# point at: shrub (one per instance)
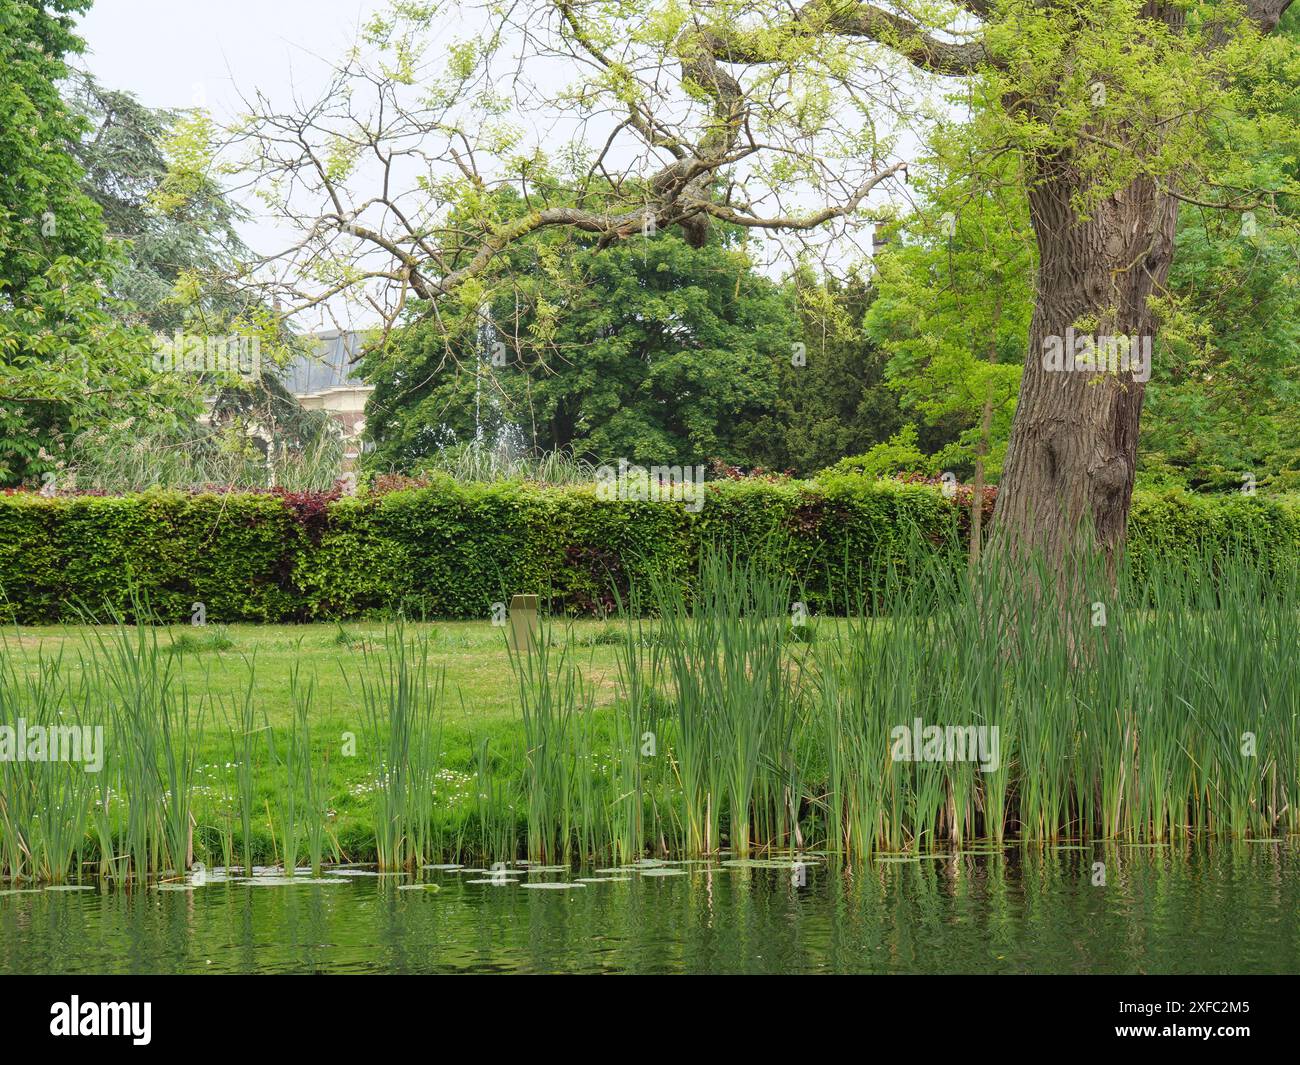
(233, 553)
(452, 549)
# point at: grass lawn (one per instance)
(216, 665)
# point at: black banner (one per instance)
(1193, 1014)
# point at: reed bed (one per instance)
(1153, 708)
(123, 465)
(1145, 708)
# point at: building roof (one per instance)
(329, 366)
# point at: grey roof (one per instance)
(328, 367)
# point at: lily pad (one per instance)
(289, 881)
(554, 885)
(367, 872)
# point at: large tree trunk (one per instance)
(1068, 478)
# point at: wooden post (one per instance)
(523, 622)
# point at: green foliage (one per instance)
(453, 550)
(123, 457)
(832, 400)
(955, 292)
(900, 454)
(651, 350)
(1224, 400)
(955, 289)
(1174, 524)
(474, 462)
(61, 556)
(65, 359)
(154, 174)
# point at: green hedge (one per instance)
(65, 556)
(453, 550)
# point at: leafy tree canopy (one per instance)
(65, 358)
(650, 349)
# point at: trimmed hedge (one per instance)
(64, 556)
(453, 550)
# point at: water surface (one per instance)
(1225, 909)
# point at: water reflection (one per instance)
(1222, 909)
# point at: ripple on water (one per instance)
(1174, 909)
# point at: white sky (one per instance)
(168, 52)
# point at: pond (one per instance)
(1162, 909)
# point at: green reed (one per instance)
(291, 760)
(401, 695)
(302, 808)
(153, 738)
(1157, 705)
(494, 807)
(636, 759)
(243, 727)
(44, 804)
(725, 650)
(312, 779)
(553, 703)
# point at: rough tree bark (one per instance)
(1067, 482)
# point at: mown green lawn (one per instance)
(216, 665)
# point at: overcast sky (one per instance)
(168, 52)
